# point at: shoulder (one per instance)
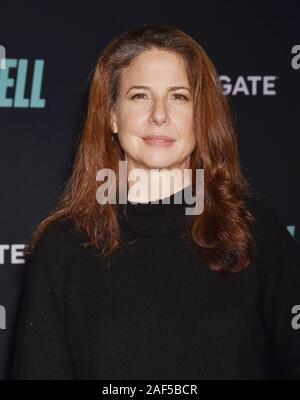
(275, 245)
(59, 232)
(267, 223)
(266, 219)
(55, 244)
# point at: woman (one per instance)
(142, 290)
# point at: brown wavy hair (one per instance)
(222, 230)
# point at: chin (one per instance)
(158, 164)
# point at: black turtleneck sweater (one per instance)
(158, 312)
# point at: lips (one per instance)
(158, 141)
(158, 138)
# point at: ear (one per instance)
(113, 119)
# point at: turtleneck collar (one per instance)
(159, 218)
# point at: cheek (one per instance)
(132, 119)
(185, 126)
(184, 116)
(130, 128)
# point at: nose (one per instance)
(159, 114)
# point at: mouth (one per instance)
(158, 140)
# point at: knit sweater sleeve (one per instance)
(41, 348)
(279, 271)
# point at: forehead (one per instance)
(155, 66)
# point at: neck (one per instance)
(151, 219)
(157, 184)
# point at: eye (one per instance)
(141, 96)
(181, 96)
(137, 96)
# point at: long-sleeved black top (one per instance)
(157, 311)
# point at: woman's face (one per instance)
(163, 106)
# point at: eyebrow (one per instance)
(170, 88)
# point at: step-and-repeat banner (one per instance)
(47, 53)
